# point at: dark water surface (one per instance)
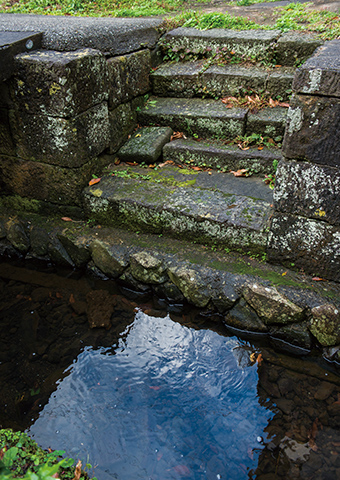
(165, 393)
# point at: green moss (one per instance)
(20, 204)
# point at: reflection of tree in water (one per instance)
(304, 435)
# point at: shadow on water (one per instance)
(164, 393)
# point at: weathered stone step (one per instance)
(211, 118)
(221, 157)
(209, 208)
(191, 79)
(265, 45)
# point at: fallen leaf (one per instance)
(71, 299)
(138, 135)
(117, 161)
(77, 472)
(284, 104)
(242, 148)
(239, 173)
(182, 470)
(176, 135)
(273, 103)
(318, 279)
(132, 164)
(260, 148)
(168, 162)
(209, 173)
(284, 273)
(259, 359)
(58, 295)
(196, 168)
(94, 181)
(67, 219)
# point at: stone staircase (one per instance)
(205, 202)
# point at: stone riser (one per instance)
(210, 118)
(192, 80)
(220, 157)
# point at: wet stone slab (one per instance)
(254, 43)
(220, 156)
(194, 116)
(181, 211)
(145, 145)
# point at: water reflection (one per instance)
(168, 401)
(158, 396)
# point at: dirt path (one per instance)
(262, 13)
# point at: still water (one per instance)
(165, 393)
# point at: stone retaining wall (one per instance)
(61, 110)
(305, 229)
(296, 319)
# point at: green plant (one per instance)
(20, 456)
(271, 177)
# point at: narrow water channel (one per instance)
(163, 393)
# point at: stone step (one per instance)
(211, 208)
(270, 46)
(211, 118)
(192, 79)
(221, 157)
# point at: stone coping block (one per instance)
(295, 47)
(194, 116)
(128, 77)
(309, 190)
(145, 145)
(309, 244)
(219, 156)
(313, 129)
(250, 43)
(112, 36)
(320, 75)
(12, 43)
(61, 84)
(49, 183)
(58, 141)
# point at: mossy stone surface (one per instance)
(325, 324)
(145, 145)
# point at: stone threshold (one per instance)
(251, 297)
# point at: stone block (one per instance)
(325, 324)
(12, 43)
(111, 260)
(320, 75)
(313, 129)
(311, 245)
(128, 77)
(62, 84)
(6, 141)
(59, 141)
(145, 145)
(49, 183)
(279, 82)
(293, 47)
(123, 120)
(148, 268)
(308, 190)
(268, 121)
(271, 306)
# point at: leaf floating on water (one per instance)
(93, 181)
(182, 470)
(77, 472)
(154, 387)
(240, 173)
